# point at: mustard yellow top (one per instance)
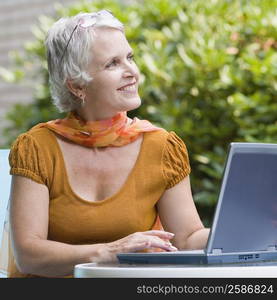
(162, 162)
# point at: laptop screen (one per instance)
(246, 214)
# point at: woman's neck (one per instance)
(91, 115)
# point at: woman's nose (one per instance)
(130, 69)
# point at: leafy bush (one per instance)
(208, 72)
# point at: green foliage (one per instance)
(208, 72)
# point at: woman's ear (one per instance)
(76, 89)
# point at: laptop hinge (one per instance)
(217, 251)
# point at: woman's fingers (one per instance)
(148, 239)
(138, 241)
(165, 245)
(160, 233)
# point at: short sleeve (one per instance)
(26, 160)
(175, 160)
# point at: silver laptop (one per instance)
(244, 226)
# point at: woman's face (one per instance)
(114, 87)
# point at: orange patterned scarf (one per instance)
(117, 131)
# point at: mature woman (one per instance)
(92, 185)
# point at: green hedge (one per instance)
(208, 72)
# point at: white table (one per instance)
(94, 270)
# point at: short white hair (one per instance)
(69, 60)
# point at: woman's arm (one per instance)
(178, 215)
(34, 254)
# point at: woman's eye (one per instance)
(112, 64)
(115, 62)
(131, 57)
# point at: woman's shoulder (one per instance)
(164, 138)
(28, 157)
(168, 149)
(38, 135)
(36, 142)
(161, 142)
(157, 136)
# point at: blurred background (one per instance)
(208, 72)
(18, 19)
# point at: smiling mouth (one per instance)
(129, 88)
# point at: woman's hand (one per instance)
(136, 242)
